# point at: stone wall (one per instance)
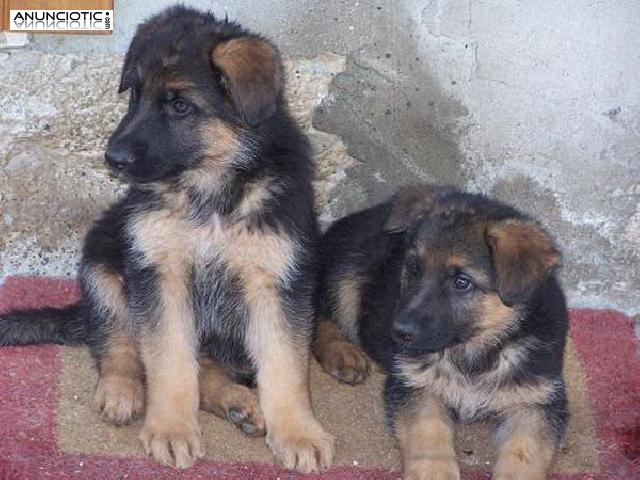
(536, 102)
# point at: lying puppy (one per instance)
(203, 274)
(454, 294)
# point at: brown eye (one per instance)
(462, 283)
(180, 107)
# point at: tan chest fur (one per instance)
(474, 397)
(172, 242)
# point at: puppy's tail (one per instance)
(64, 326)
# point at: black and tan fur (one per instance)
(455, 296)
(202, 276)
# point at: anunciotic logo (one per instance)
(60, 20)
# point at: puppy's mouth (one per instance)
(117, 174)
(430, 344)
(132, 173)
(422, 350)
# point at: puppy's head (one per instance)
(199, 90)
(469, 264)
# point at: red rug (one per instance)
(605, 342)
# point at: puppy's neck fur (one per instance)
(217, 186)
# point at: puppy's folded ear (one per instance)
(410, 203)
(253, 75)
(523, 256)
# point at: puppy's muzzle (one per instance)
(403, 330)
(120, 158)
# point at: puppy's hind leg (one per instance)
(221, 396)
(119, 393)
(339, 357)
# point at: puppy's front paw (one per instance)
(431, 469)
(345, 362)
(179, 445)
(120, 399)
(304, 447)
(523, 457)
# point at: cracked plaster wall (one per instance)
(536, 102)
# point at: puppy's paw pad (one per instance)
(179, 449)
(303, 453)
(432, 470)
(242, 408)
(119, 399)
(346, 362)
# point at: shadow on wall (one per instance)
(536, 128)
(392, 115)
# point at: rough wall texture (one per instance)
(536, 105)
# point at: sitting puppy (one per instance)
(203, 274)
(455, 296)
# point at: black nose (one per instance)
(118, 158)
(403, 331)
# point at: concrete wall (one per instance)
(535, 102)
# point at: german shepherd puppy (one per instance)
(454, 295)
(204, 273)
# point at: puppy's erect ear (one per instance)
(253, 75)
(126, 72)
(523, 255)
(409, 203)
(143, 32)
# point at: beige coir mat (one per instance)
(353, 414)
(48, 428)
